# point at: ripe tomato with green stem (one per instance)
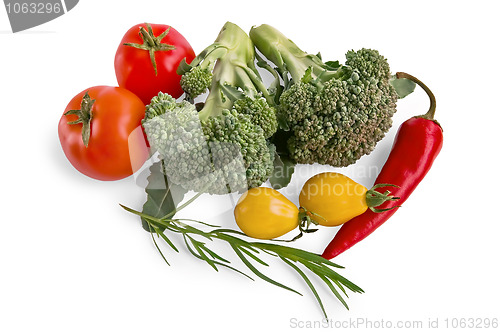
(147, 58)
(101, 134)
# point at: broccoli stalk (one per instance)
(228, 65)
(290, 59)
(334, 113)
(222, 148)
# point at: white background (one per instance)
(72, 260)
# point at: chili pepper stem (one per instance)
(432, 108)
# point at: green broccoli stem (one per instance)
(206, 59)
(235, 69)
(287, 56)
(215, 103)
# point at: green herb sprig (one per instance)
(248, 252)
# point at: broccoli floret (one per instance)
(335, 113)
(223, 147)
(196, 81)
(260, 113)
(197, 76)
(227, 69)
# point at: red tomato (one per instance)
(116, 144)
(144, 47)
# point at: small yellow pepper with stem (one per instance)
(327, 199)
(336, 198)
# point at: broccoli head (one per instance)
(223, 147)
(335, 113)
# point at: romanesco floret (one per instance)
(222, 148)
(335, 113)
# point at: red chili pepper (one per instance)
(416, 145)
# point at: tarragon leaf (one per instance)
(308, 282)
(258, 273)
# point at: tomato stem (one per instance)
(84, 117)
(152, 43)
(375, 198)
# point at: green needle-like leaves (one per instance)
(250, 253)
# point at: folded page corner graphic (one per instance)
(24, 15)
(70, 4)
